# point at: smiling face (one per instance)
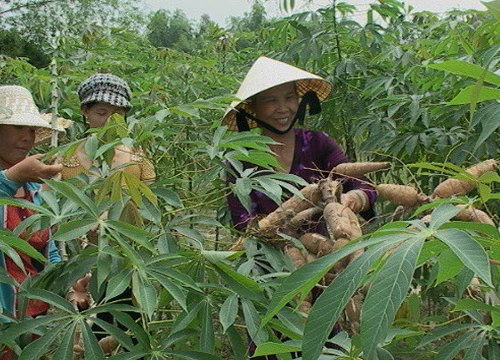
(15, 143)
(276, 106)
(98, 113)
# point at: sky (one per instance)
(221, 10)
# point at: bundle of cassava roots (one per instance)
(304, 218)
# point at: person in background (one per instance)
(102, 95)
(21, 127)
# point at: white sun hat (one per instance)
(17, 107)
(267, 73)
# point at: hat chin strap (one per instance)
(309, 99)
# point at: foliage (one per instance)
(415, 87)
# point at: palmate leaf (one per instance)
(118, 283)
(145, 294)
(51, 298)
(328, 307)
(464, 68)
(73, 230)
(176, 291)
(25, 204)
(207, 338)
(135, 233)
(386, 294)
(252, 320)
(191, 355)
(470, 93)
(75, 195)
(117, 333)
(270, 348)
(92, 349)
(468, 250)
(27, 326)
(471, 304)
(476, 349)
(9, 242)
(449, 351)
(237, 344)
(240, 284)
(304, 279)
(65, 346)
(228, 311)
(39, 347)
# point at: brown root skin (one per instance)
(353, 311)
(303, 217)
(108, 344)
(312, 242)
(451, 187)
(401, 195)
(473, 215)
(239, 245)
(331, 190)
(342, 263)
(358, 168)
(341, 221)
(291, 207)
(298, 258)
(305, 307)
(310, 258)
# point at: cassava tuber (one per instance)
(401, 195)
(358, 168)
(451, 187)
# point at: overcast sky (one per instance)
(221, 10)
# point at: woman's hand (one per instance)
(32, 169)
(356, 200)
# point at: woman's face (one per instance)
(277, 106)
(98, 114)
(15, 143)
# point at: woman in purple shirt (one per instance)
(274, 96)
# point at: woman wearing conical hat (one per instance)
(21, 127)
(274, 97)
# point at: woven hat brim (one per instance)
(108, 98)
(24, 119)
(267, 73)
(321, 87)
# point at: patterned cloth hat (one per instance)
(17, 107)
(106, 88)
(267, 73)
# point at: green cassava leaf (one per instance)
(207, 339)
(328, 307)
(468, 250)
(464, 68)
(145, 294)
(73, 230)
(304, 279)
(229, 311)
(386, 294)
(40, 346)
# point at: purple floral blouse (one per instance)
(315, 154)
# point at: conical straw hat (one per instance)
(267, 73)
(17, 107)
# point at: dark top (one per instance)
(315, 155)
